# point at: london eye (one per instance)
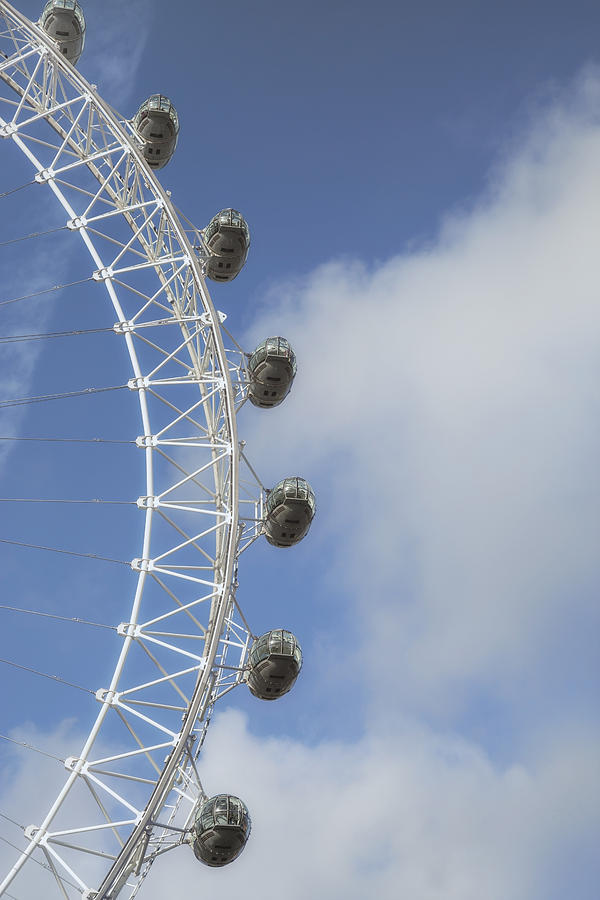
(133, 790)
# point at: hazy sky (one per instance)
(422, 186)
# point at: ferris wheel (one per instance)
(130, 795)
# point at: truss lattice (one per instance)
(185, 643)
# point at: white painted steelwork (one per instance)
(190, 640)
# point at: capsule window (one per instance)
(276, 640)
(220, 811)
(154, 135)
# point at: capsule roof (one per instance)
(71, 5)
(228, 218)
(275, 643)
(273, 347)
(223, 809)
(158, 102)
(295, 488)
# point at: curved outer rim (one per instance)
(119, 871)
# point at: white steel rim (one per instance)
(37, 72)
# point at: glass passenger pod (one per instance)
(272, 369)
(290, 508)
(220, 830)
(227, 238)
(156, 123)
(275, 661)
(64, 22)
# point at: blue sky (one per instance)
(421, 182)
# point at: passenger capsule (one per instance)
(221, 830)
(227, 238)
(63, 21)
(290, 509)
(275, 661)
(272, 369)
(157, 124)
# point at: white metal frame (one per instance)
(193, 645)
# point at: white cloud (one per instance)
(418, 814)
(29, 316)
(29, 784)
(116, 36)
(445, 406)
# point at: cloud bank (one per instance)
(446, 409)
(423, 815)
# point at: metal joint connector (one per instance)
(75, 764)
(148, 502)
(146, 440)
(102, 274)
(123, 327)
(103, 695)
(76, 223)
(44, 176)
(9, 129)
(137, 384)
(142, 565)
(206, 318)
